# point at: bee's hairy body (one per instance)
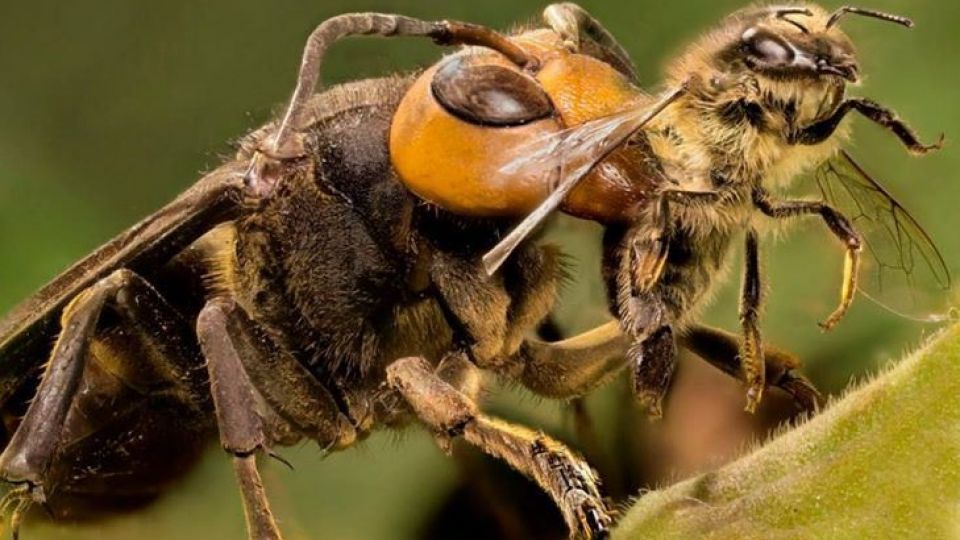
(730, 138)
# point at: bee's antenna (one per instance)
(889, 17)
(781, 12)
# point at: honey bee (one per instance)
(752, 105)
(366, 255)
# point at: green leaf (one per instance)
(882, 462)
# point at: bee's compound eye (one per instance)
(773, 51)
(767, 48)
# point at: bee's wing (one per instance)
(28, 330)
(569, 155)
(903, 270)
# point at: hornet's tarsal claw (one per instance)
(17, 501)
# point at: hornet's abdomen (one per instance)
(470, 115)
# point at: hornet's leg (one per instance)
(28, 459)
(532, 278)
(244, 364)
(841, 228)
(722, 349)
(576, 366)
(490, 317)
(478, 309)
(588, 36)
(566, 478)
(241, 429)
(461, 374)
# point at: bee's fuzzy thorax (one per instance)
(738, 120)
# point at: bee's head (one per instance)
(795, 43)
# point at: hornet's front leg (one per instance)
(575, 366)
(724, 351)
(841, 227)
(568, 480)
(886, 118)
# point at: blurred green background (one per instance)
(108, 109)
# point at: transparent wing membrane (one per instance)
(575, 150)
(568, 155)
(903, 271)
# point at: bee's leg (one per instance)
(244, 364)
(821, 131)
(841, 227)
(751, 349)
(647, 251)
(635, 260)
(654, 361)
(722, 349)
(564, 476)
(29, 457)
(386, 25)
(588, 36)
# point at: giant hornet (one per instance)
(366, 255)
